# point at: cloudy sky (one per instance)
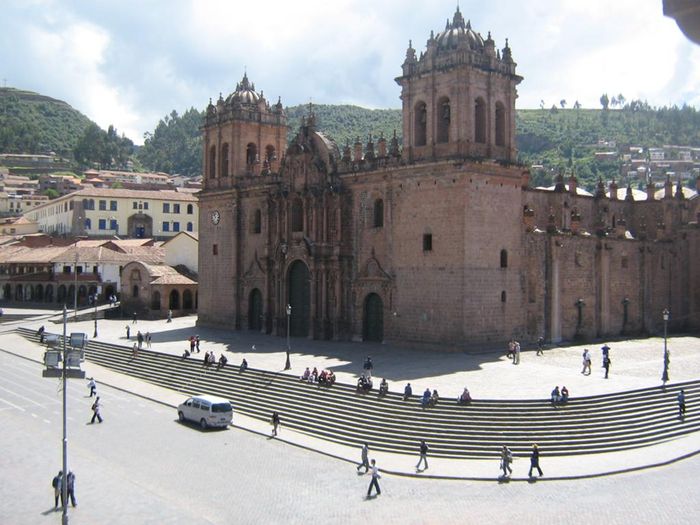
(130, 62)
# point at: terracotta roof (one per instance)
(164, 195)
(25, 254)
(164, 274)
(190, 234)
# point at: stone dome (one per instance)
(245, 92)
(457, 32)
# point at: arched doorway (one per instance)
(61, 295)
(39, 293)
(187, 300)
(255, 310)
(155, 300)
(299, 298)
(19, 293)
(174, 303)
(7, 292)
(373, 319)
(49, 293)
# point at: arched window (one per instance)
(190, 209)
(187, 300)
(378, 213)
(155, 301)
(480, 121)
(189, 227)
(270, 154)
(421, 124)
(297, 215)
(257, 221)
(212, 162)
(500, 125)
(251, 154)
(224, 160)
(135, 290)
(174, 303)
(443, 120)
(504, 258)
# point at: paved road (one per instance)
(142, 466)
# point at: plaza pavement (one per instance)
(488, 374)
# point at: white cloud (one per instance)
(129, 63)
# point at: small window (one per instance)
(189, 227)
(215, 249)
(135, 205)
(102, 224)
(378, 213)
(503, 296)
(88, 224)
(166, 226)
(66, 269)
(145, 205)
(135, 290)
(504, 258)
(190, 209)
(176, 226)
(428, 242)
(113, 205)
(166, 207)
(103, 205)
(257, 221)
(176, 208)
(113, 225)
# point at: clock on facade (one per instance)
(215, 217)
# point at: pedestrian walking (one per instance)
(368, 366)
(196, 342)
(96, 407)
(170, 316)
(506, 460)
(134, 318)
(148, 340)
(510, 349)
(540, 346)
(516, 353)
(139, 339)
(135, 351)
(192, 343)
(70, 479)
(535, 461)
(57, 484)
(606, 351)
(423, 455)
(681, 404)
(364, 459)
(606, 365)
(275, 421)
(92, 386)
(128, 331)
(407, 391)
(375, 480)
(586, 370)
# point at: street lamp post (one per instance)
(75, 284)
(64, 484)
(664, 376)
(95, 301)
(287, 364)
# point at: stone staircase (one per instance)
(585, 425)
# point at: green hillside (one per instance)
(34, 123)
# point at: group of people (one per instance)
(559, 396)
(429, 399)
(326, 377)
(57, 484)
(507, 460)
(513, 351)
(364, 383)
(588, 360)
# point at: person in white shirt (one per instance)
(375, 480)
(92, 386)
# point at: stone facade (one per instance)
(441, 242)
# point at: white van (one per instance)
(208, 411)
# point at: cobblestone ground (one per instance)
(142, 466)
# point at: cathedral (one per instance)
(439, 239)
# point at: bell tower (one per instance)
(458, 97)
(243, 135)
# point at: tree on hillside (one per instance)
(604, 101)
(621, 100)
(175, 146)
(104, 148)
(577, 105)
(562, 103)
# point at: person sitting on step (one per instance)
(322, 377)
(465, 398)
(186, 353)
(364, 384)
(244, 366)
(383, 387)
(434, 398)
(425, 400)
(222, 361)
(330, 377)
(314, 376)
(564, 395)
(407, 391)
(305, 375)
(555, 395)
